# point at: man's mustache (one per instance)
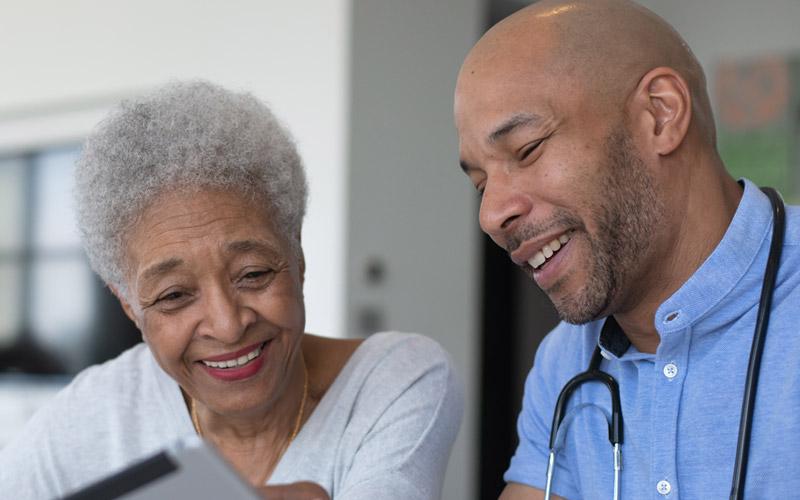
(561, 219)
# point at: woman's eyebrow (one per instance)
(160, 268)
(247, 246)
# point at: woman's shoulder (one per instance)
(102, 385)
(406, 340)
(125, 371)
(389, 364)
(110, 394)
(394, 407)
(404, 347)
(385, 354)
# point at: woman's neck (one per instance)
(255, 441)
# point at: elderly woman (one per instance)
(190, 205)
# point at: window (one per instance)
(55, 315)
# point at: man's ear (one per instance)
(125, 305)
(665, 109)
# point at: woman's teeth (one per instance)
(548, 251)
(236, 363)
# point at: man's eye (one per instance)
(530, 148)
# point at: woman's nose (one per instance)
(226, 317)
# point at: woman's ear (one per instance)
(301, 257)
(302, 265)
(125, 305)
(662, 109)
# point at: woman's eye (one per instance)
(171, 297)
(256, 277)
(172, 301)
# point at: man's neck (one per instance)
(703, 215)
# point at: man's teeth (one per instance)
(548, 251)
(235, 363)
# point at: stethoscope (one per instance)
(594, 374)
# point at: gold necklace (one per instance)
(298, 421)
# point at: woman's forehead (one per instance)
(180, 223)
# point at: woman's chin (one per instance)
(237, 390)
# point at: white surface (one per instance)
(69, 61)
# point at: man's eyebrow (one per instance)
(161, 268)
(512, 123)
(505, 128)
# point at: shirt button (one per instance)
(670, 370)
(664, 487)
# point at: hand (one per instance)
(303, 490)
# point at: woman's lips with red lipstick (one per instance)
(237, 365)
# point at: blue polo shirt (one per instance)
(681, 405)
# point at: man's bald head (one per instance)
(600, 47)
(586, 128)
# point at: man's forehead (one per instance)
(506, 84)
(493, 109)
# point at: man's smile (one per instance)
(536, 252)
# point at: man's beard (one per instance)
(628, 212)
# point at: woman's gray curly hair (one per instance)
(188, 135)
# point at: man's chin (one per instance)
(579, 310)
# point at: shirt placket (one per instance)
(670, 364)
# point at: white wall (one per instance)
(732, 29)
(410, 207)
(64, 63)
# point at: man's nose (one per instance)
(501, 205)
(226, 317)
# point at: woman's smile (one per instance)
(238, 365)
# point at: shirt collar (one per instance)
(613, 341)
(724, 269)
(614, 344)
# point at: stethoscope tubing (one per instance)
(757, 349)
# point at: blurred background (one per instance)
(391, 237)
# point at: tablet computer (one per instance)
(190, 469)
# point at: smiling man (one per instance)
(587, 129)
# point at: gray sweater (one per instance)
(383, 430)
